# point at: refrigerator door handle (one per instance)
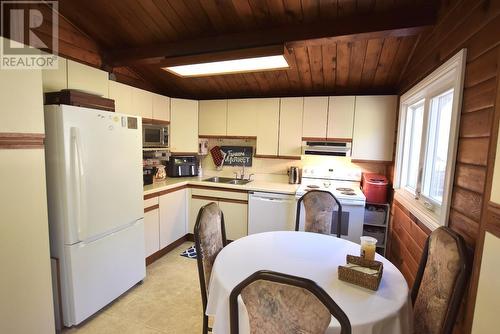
(79, 184)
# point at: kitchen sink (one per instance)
(218, 179)
(227, 180)
(238, 181)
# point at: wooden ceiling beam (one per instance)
(398, 22)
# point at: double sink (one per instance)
(227, 180)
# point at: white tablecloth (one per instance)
(316, 257)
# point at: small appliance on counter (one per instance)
(160, 174)
(153, 165)
(179, 166)
(294, 175)
(148, 173)
(375, 188)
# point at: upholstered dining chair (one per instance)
(320, 207)
(280, 303)
(440, 282)
(209, 238)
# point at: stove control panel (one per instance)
(344, 174)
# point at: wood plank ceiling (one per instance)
(373, 64)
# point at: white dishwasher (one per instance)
(271, 212)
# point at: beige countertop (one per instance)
(255, 185)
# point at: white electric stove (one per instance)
(344, 184)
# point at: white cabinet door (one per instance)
(184, 126)
(161, 107)
(212, 118)
(122, 94)
(495, 189)
(173, 215)
(87, 78)
(315, 117)
(142, 103)
(152, 231)
(235, 219)
(488, 290)
(340, 117)
(268, 114)
(290, 134)
(194, 207)
(57, 79)
(22, 101)
(374, 126)
(242, 117)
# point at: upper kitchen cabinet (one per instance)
(212, 118)
(290, 127)
(142, 103)
(122, 94)
(268, 118)
(57, 79)
(87, 78)
(183, 126)
(340, 117)
(161, 107)
(242, 117)
(315, 117)
(374, 126)
(22, 101)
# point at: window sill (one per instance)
(429, 219)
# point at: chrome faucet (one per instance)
(241, 174)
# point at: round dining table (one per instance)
(317, 257)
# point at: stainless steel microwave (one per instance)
(155, 135)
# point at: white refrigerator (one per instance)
(95, 201)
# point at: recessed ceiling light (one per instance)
(230, 66)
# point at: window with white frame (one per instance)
(427, 142)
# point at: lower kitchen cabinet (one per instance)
(235, 219)
(152, 231)
(234, 206)
(194, 207)
(173, 217)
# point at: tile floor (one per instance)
(168, 302)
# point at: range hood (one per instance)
(328, 148)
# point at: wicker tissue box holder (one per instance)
(359, 271)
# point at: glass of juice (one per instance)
(368, 246)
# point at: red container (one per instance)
(375, 188)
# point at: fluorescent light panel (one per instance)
(230, 66)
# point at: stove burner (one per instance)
(350, 190)
(350, 193)
(313, 186)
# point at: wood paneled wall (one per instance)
(76, 45)
(406, 241)
(473, 25)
